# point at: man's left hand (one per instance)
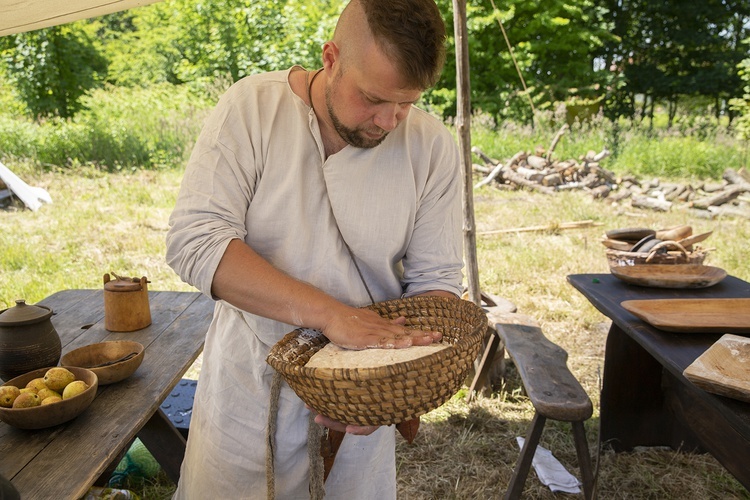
(358, 430)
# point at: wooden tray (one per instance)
(724, 368)
(693, 315)
(670, 275)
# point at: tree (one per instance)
(742, 104)
(554, 43)
(670, 49)
(140, 45)
(53, 67)
(241, 37)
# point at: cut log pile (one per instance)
(542, 173)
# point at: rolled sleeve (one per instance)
(209, 213)
(433, 258)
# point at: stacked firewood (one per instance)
(542, 173)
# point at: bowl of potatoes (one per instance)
(47, 397)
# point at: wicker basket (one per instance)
(389, 394)
(674, 254)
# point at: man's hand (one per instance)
(354, 328)
(365, 329)
(249, 282)
(358, 430)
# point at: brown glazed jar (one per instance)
(28, 340)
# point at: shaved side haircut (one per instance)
(410, 32)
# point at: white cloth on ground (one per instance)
(551, 472)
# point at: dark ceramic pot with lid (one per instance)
(28, 340)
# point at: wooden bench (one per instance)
(490, 365)
(553, 390)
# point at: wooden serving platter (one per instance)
(670, 275)
(724, 368)
(693, 315)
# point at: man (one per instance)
(307, 196)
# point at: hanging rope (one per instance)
(515, 63)
(314, 436)
(271, 435)
(317, 481)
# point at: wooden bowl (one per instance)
(49, 415)
(93, 356)
(670, 275)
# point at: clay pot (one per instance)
(28, 340)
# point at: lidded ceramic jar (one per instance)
(28, 340)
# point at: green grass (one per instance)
(110, 214)
(683, 152)
(98, 223)
(120, 128)
(116, 222)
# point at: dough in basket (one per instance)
(333, 356)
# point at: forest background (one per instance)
(129, 90)
(104, 112)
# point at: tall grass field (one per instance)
(114, 173)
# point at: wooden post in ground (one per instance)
(463, 131)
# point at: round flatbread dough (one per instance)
(333, 356)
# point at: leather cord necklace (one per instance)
(330, 439)
(309, 83)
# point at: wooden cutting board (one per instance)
(724, 368)
(693, 315)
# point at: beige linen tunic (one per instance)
(258, 173)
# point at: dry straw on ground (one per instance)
(117, 222)
(469, 451)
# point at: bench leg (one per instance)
(515, 488)
(482, 369)
(584, 460)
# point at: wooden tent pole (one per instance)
(463, 130)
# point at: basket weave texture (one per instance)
(394, 393)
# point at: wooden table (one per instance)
(645, 399)
(66, 460)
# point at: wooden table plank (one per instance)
(84, 307)
(96, 438)
(658, 405)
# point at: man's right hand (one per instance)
(249, 282)
(364, 329)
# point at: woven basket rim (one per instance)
(375, 373)
(393, 393)
(369, 373)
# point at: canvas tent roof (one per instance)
(17, 16)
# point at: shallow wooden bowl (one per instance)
(670, 275)
(49, 415)
(697, 315)
(107, 353)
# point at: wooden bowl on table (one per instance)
(48, 415)
(670, 275)
(112, 361)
